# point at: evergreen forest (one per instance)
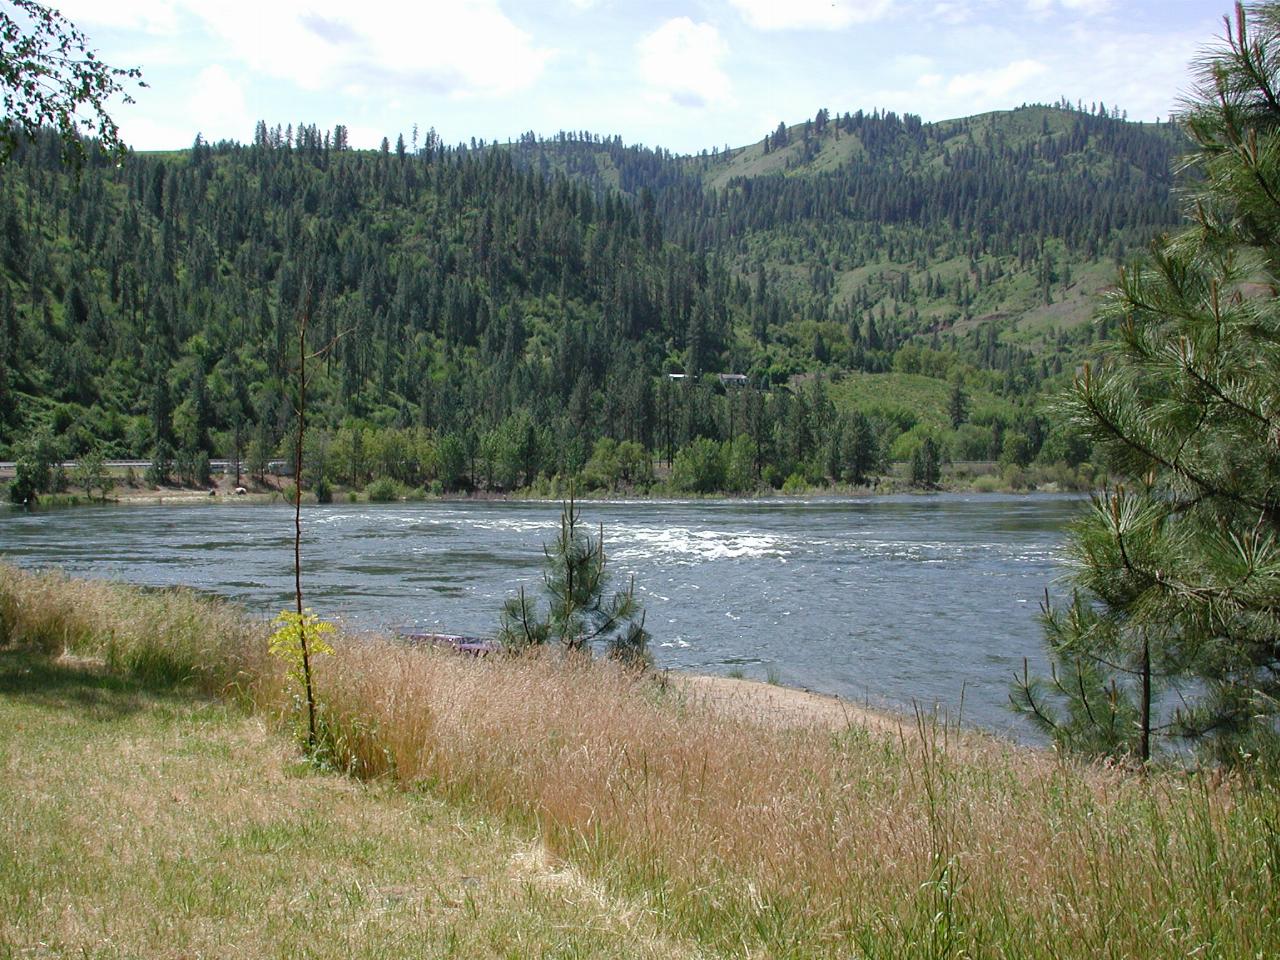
(855, 290)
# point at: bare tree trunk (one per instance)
(297, 520)
(1144, 748)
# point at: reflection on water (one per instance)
(894, 600)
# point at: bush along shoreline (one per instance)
(737, 833)
(958, 478)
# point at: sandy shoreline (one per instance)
(760, 702)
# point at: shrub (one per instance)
(383, 490)
(795, 484)
(698, 467)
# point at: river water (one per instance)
(893, 601)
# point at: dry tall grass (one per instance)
(173, 636)
(810, 840)
(786, 841)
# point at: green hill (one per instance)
(1036, 205)
(517, 303)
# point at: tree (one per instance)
(958, 403)
(1177, 582)
(781, 136)
(261, 450)
(49, 76)
(451, 462)
(293, 634)
(738, 469)
(192, 467)
(698, 467)
(91, 473)
(604, 469)
(925, 467)
(161, 465)
(857, 448)
(579, 612)
(33, 472)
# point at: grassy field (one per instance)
(139, 822)
(532, 807)
(925, 397)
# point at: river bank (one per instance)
(653, 821)
(222, 489)
(774, 705)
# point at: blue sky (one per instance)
(682, 74)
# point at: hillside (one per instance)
(515, 305)
(1024, 205)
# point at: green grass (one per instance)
(751, 160)
(926, 397)
(146, 821)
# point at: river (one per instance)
(893, 601)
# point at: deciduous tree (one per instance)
(49, 76)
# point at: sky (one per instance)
(686, 75)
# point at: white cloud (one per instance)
(937, 96)
(1107, 72)
(218, 104)
(681, 61)
(467, 48)
(912, 64)
(999, 83)
(148, 133)
(151, 16)
(810, 14)
(951, 11)
(364, 137)
(1087, 7)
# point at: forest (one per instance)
(857, 289)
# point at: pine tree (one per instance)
(857, 447)
(580, 612)
(1177, 583)
(926, 468)
(958, 403)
